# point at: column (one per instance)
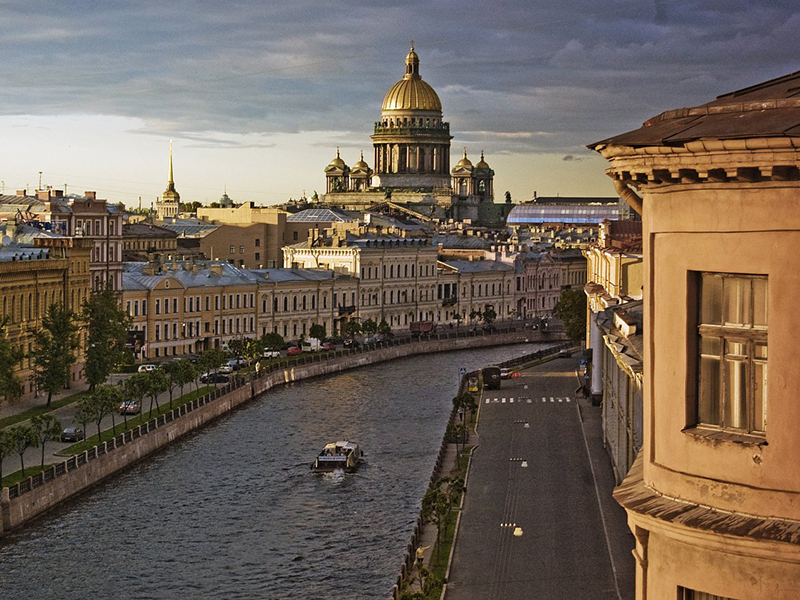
(596, 341)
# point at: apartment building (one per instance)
(713, 500)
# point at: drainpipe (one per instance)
(632, 198)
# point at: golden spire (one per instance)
(465, 152)
(171, 183)
(412, 64)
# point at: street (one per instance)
(532, 524)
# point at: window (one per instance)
(732, 352)
(688, 594)
(258, 242)
(232, 249)
(241, 249)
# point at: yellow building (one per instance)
(714, 497)
(35, 275)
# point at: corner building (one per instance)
(713, 499)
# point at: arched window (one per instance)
(285, 303)
(304, 301)
(294, 302)
(275, 304)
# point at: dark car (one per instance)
(351, 344)
(72, 434)
(214, 378)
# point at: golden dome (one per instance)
(336, 164)
(361, 164)
(482, 164)
(411, 93)
(464, 163)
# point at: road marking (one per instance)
(511, 401)
(551, 399)
(529, 400)
(524, 464)
(504, 401)
(568, 400)
(508, 524)
(487, 401)
(560, 399)
(526, 386)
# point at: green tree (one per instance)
(84, 412)
(237, 347)
(47, 428)
(571, 309)
(53, 351)
(272, 341)
(136, 387)
(436, 509)
(107, 325)
(369, 327)
(23, 437)
(317, 331)
(156, 384)
(475, 314)
(170, 371)
(489, 315)
(383, 328)
(211, 360)
(351, 329)
(7, 447)
(105, 400)
(10, 386)
(186, 373)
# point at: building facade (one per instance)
(32, 277)
(714, 498)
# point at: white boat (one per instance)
(344, 456)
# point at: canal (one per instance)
(234, 512)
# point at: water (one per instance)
(233, 511)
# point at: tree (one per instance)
(170, 371)
(369, 327)
(23, 437)
(436, 509)
(272, 341)
(186, 373)
(104, 401)
(47, 428)
(83, 412)
(508, 197)
(475, 314)
(10, 386)
(384, 329)
(107, 325)
(211, 360)
(6, 448)
(571, 309)
(489, 315)
(351, 329)
(156, 384)
(237, 347)
(135, 387)
(317, 331)
(53, 351)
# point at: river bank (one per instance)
(35, 496)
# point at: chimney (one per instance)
(22, 193)
(43, 195)
(58, 193)
(90, 195)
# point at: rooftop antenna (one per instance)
(40, 180)
(65, 189)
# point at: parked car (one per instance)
(271, 354)
(294, 351)
(146, 368)
(351, 344)
(72, 434)
(328, 346)
(214, 378)
(130, 407)
(565, 353)
(231, 366)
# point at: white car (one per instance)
(146, 368)
(271, 354)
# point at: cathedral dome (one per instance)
(336, 164)
(482, 164)
(464, 164)
(411, 92)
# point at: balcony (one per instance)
(347, 310)
(450, 301)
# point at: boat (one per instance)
(344, 456)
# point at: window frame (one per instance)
(751, 336)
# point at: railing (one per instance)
(78, 460)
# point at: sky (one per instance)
(257, 95)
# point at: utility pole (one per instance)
(40, 180)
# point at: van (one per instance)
(491, 377)
(146, 368)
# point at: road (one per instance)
(532, 524)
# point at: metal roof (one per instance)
(314, 215)
(478, 266)
(550, 213)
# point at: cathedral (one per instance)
(411, 162)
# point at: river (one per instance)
(233, 511)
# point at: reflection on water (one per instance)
(234, 511)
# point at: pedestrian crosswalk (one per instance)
(518, 400)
